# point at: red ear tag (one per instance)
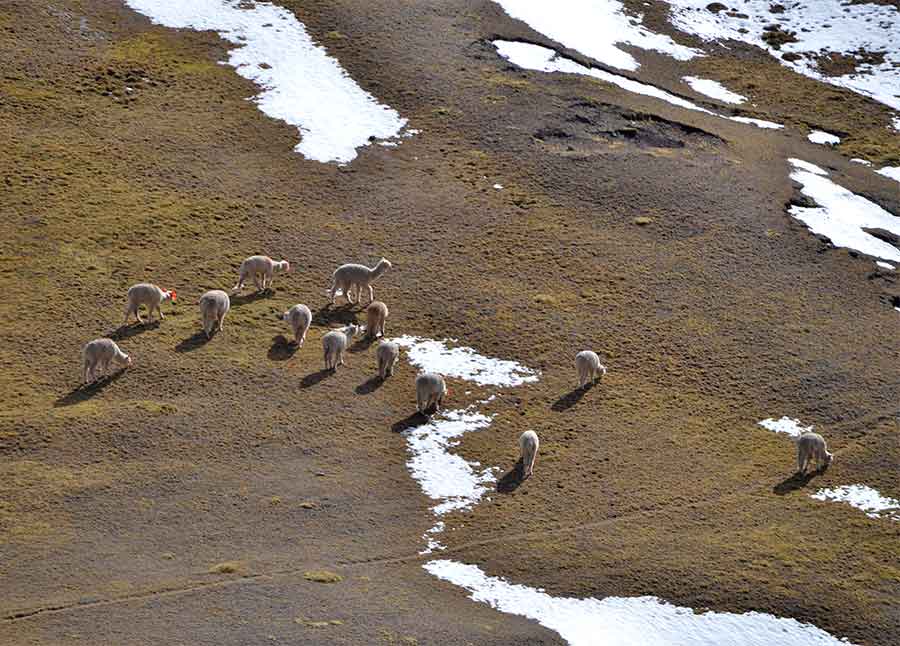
(174, 295)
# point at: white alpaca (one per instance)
(376, 314)
(430, 391)
(96, 357)
(388, 354)
(589, 368)
(346, 277)
(214, 305)
(146, 294)
(334, 344)
(811, 446)
(299, 318)
(262, 270)
(528, 445)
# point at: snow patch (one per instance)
(624, 621)
(542, 59)
(595, 28)
(301, 84)
(864, 162)
(445, 476)
(714, 89)
(431, 355)
(864, 498)
(892, 172)
(842, 215)
(824, 138)
(820, 27)
(884, 265)
(785, 425)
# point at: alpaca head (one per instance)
(384, 263)
(351, 330)
(125, 360)
(169, 295)
(283, 265)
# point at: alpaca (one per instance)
(528, 445)
(96, 357)
(335, 343)
(214, 305)
(298, 317)
(150, 295)
(346, 277)
(811, 446)
(589, 368)
(376, 314)
(388, 354)
(430, 392)
(262, 270)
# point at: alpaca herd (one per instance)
(100, 354)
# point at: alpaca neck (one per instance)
(379, 269)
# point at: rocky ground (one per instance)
(198, 497)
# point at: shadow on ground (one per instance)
(512, 478)
(282, 348)
(129, 330)
(570, 398)
(193, 342)
(369, 386)
(85, 392)
(796, 481)
(313, 378)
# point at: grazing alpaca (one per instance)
(97, 355)
(528, 445)
(262, 270)
(811, 446)
(430, 392)
(146, 294)
(388, 354)
(214, 305)
(298, 317)
(376, 314)
(346, 277)
(335, 343)
(589, 368)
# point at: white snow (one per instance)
(884, 265)
(626, 621)
(864, 162)
(824, 138)
(895, 121)
(785, 425)
(431, 355)
(542, 59)
(821, 26)
(713, 89)
(445, 476)
(842, 215)
(301, 84)
(498, 186)
(595, 28)
(759, 123)
(864, 498)
(893, 172)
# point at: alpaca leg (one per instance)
(159, 311)
(371, 294)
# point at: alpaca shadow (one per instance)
(369, 386)
(794, 482)
(240, 299)
(341, 314)
(129, 330)
(512, 478)
(86, 391)
(571, 398)
(194, 342)
(282, 349)
(313, 378)
(363, 344)
(416, 419)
